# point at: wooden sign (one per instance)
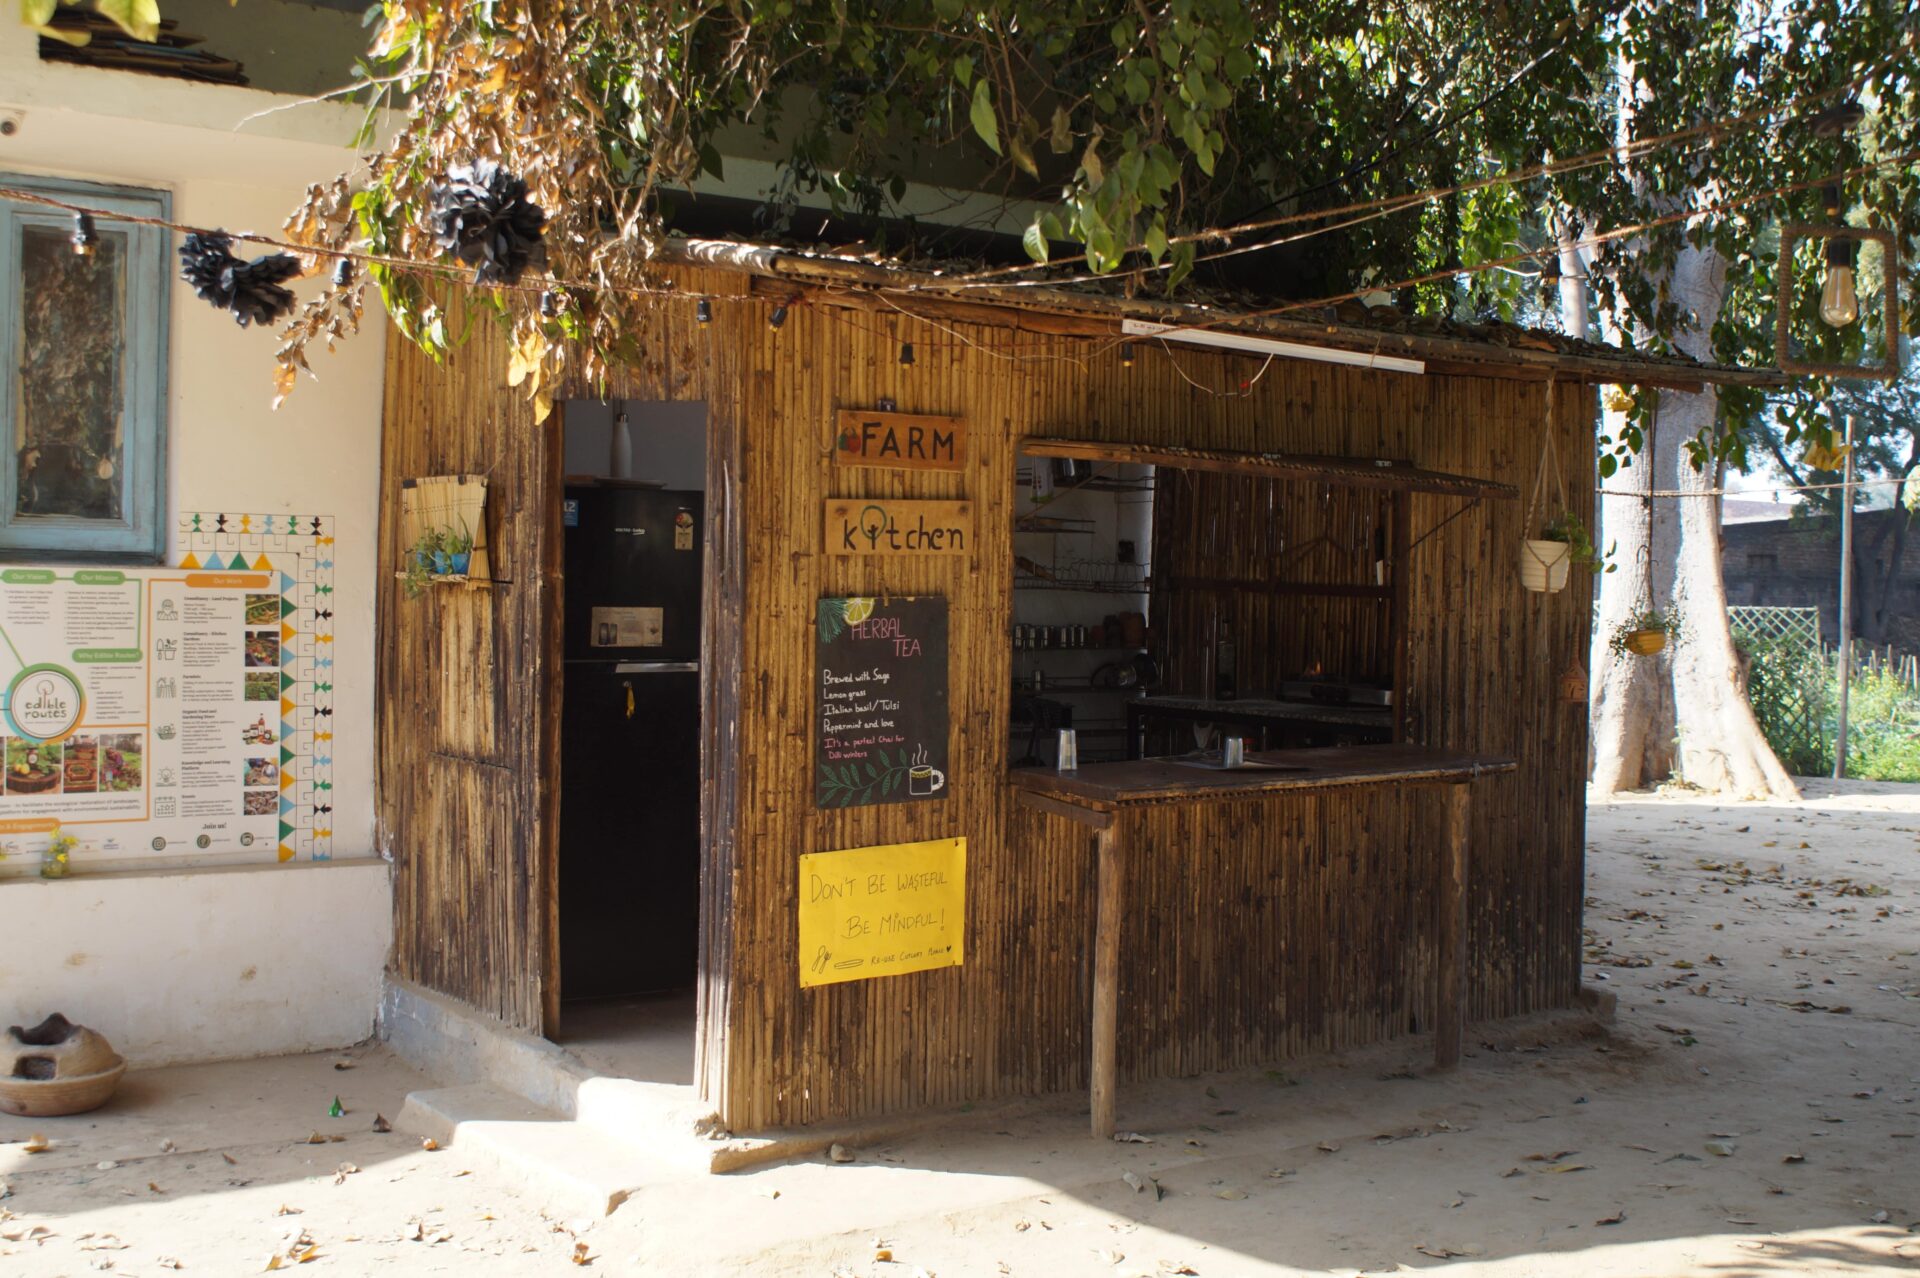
(909, 441)
(882, 911)
(899, 529)
(881, 707)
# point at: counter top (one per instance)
(1103, 787)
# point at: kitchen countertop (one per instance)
(1363, 716)
(1103, 787)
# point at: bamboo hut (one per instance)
(1111, 930)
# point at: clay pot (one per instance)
(56, 1068)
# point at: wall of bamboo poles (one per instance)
(1259, 931)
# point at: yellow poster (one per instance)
(882, 911)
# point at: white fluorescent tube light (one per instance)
(1270, 346)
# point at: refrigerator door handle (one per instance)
(657, 667)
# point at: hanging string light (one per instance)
(1126, 356)
(703, 312)
(906, 352)
(343, 273)
(779, 316)
(551, 303)
(1839, 299)
(85, 238)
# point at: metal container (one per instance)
(1233, 752)
(1068, 757)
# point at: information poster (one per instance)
(173, 712)
(881, 711)
(882, 911)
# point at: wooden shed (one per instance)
(1342, 522)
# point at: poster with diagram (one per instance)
(177, 712)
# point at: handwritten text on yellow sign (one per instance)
(882, 911)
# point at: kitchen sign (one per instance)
(881, 708)
(882, 911)
(906, 441)
(898, 529)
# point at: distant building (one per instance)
(1795, 562)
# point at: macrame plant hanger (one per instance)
(1536, 508)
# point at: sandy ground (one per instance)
(1755, 1110)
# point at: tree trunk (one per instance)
(1683, 712)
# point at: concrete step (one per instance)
(567, 1167)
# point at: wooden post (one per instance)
(1106, 981)
(1451, 947)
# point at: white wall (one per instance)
(220, 961)
(201, 964)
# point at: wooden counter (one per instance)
(1098, 794)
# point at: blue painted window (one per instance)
(83, 396)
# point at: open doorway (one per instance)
(633, 641)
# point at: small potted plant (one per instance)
(1646, 633)
(1546, 560)
(420, 559)
(459, 547)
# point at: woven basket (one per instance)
(1544, 565)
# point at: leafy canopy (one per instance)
(1137, 127)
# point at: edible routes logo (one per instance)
(45, 703)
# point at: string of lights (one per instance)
(86, 221)
(1665, 493)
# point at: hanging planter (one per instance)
(1548, 554)
(1646, 633)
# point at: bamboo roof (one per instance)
(1448, 346)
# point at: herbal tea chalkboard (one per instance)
(882, 702)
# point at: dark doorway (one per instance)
(634, 525)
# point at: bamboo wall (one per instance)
(1257, 931)
(1254, 554)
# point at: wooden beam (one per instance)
(1354, 472)
(1093, 818)
(1450, 957)
(1104, 1070)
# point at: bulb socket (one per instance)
(86, 237)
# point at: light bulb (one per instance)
(1839, 303)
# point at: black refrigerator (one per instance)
(630, 741)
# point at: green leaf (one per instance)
(1156, 240)
(1034, 241)
(138, 18)
(37, 13)
(985, 122)
(963, 70)
(1060, 137)
(1182, 258)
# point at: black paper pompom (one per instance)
(251, 290)
(482, 216)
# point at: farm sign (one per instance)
(906, 441)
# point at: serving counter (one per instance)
(1097, 796)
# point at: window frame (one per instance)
(139, 536)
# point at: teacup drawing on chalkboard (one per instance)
(923, 778)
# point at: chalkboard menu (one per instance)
(882, 702)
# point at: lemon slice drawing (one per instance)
(858, 610)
